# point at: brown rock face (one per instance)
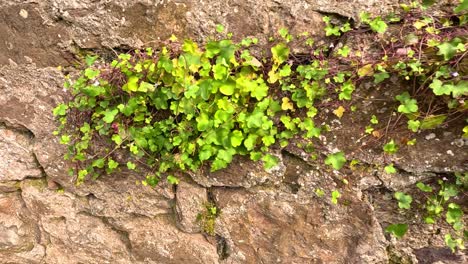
(272, 227)
(191, 201)
(20, 162)
(26, 37)
(276, 216)
(18, 233)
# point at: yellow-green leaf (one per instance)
(366, 70)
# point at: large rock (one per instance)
(70, 235)
(27, 97)
(157, 240)
(191, 200)
(264, 225)
(17, 160)
(48, 33)
(73, 230)
(19, 234)
(26, 37)
(272, 227)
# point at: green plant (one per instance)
(376, 24)
(180, 109)
(334, 196)
(391, 147)
(398, 230)
(207, 218)
(440, 201)
(390, 169)
(336, 160)
(437, 201)
(404, 200)
(172, 180)
(463, 6)
(333, 30)
(408, 105)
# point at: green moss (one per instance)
(39, 184)
(207, 218)
(397, 257)
(10, 186)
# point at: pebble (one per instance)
(12, 63)
(450, 152)
(430, 136)
(28, 59)
(458, 142)
(23, 13)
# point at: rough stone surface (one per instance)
(271, 227)
(191, 201)
(54, 30)
(17, 232)
(157, 240)
(17, 160)
(277, 216)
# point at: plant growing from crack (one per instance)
(437, 200)
(207, 218)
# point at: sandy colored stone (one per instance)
(191, 200)
(17, 160)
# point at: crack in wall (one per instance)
(30, 218)
(20, 128)
(222, 246)
(124, 235)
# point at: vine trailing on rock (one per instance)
(189, 107)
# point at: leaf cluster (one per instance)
(181, 110)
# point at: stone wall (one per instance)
(266, 217)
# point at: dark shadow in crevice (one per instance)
(222, 247)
